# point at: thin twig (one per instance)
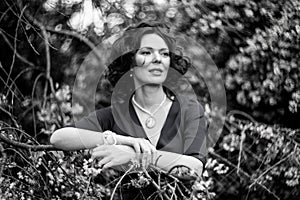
(9, 86)
(242, 139)
(5, 12)
(12, 48)
(234, 112)
(30, 164)
(27, 23)
(162, 192)
(120, 180)
(8, 127)
(270, 168)
(244, 173)
(87, 188)
(3, 159)
(48, 63)
(2, 80)
(79, 37)
(11, 117)
(33, 20)
(32, 97)
(27, 146)
(29, 42)
(15, 44)
(8, 35)
(47, 51)
(24, 71)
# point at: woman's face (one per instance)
(153, 61)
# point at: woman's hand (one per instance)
(140, 145)
(112, 155)
(115, 155)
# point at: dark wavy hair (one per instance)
(122, 58)
(123, 51)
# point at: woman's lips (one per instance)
(156, 71)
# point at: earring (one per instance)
(131, 71)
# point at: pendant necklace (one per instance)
(150, 121)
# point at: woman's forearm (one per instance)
(71, 139)
(167, 160)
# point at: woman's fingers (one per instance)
(146, 146)
(100, 151)
(137, 147)
(146, 160)
(140, 145)
(108, 165)
(99, 154)
(100, 148)
(103, 161)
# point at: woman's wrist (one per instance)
(109, 137)
(124, 140)
(121, 140)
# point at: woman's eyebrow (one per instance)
(153, 48)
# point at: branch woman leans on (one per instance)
(166, 128)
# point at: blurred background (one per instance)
(50, 47)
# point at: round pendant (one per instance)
(150, 122)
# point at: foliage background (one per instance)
(255, 45)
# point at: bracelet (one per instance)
(156, 161)
(107, 135)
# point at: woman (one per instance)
(164, 128)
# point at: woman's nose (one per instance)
(157, 57)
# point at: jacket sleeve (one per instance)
(195, 131)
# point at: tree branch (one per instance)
(27, 146)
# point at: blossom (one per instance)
(76, 109)
(63, 94)
(171, 12)
(241, 98)
(88, 15)
(114, 19)
(43, 115)
(248, 12)
(289, 84)
(129, 7)
(293, 106)
(296, 96)
(267, 133)
(50, 5)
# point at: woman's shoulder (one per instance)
(190, 104)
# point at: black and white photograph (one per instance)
(150, 99)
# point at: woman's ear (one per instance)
(133, 61)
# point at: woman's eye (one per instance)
(145, 52)
(165, 54)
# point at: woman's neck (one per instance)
(149, 95)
